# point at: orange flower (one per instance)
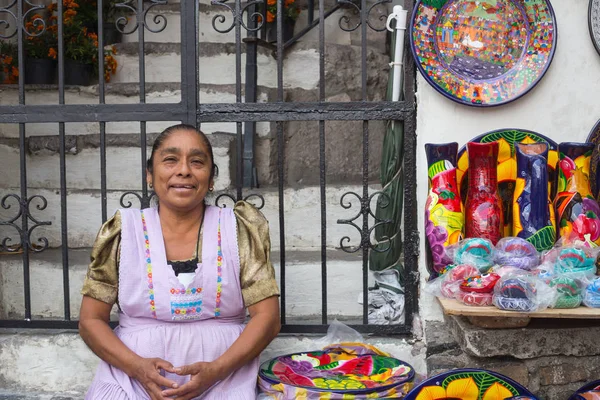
(270, 16)
(15, 71)
(52, 53)
(271, 2)
(288, 3)
(8, 60)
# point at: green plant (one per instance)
(40, 40)
(9, 71)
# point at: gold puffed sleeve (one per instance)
(102, 279)
(257, 275)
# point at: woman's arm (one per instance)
(100, 338)
(262, 328)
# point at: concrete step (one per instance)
(51, 365)
(83, 161)
(303, 284)
(302, 218)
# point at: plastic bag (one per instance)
(516, 252)
(591, 296)
(474, 251)
(523, 292)
(452, 279)
(568, 291)
(477, 290)
(576, 262)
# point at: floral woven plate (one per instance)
(590, 391)
(594, 23)
(347, 370)
(594, 137)
(483, 52)
(507, 164)
(469, 384)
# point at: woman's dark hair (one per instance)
(182, 127)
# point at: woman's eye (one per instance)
(198, 162)
(170, 159)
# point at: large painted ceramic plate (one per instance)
(594, 23)
(507, 165)
(590, 391)
(469, 384)
(594, 137)
(483, 52)
(347, 369)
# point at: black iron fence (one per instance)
(246, 20)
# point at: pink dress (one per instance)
(160, 317)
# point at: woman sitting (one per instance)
(181, 330)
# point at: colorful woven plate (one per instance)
(594, 23)
(483, 52)
(594, 137)
(469, 383)
(590, 391)
(347, 369)
(507, 164)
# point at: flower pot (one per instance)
(111, 34)
(288, 30)
(40, 71)
(77, 73)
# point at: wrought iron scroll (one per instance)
(365, 211)
(355, 6)
(159, 20)
(25, 233)
(256, 17)
(32, 10)
(144, 201)
(250, 198)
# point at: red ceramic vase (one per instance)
(483, 206)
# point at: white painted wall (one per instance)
(564, 105)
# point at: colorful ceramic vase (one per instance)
(577, 212)
(483, 206)
(533, 212)
(444, 217)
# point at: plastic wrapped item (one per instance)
(575, 263)
(477, 290)
(474, 251)
(452, 279)
(523, 293)
(516, 252)
(569, 292)
(591, 296)
(544, 272)
(507, 270)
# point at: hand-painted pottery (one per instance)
(515, 294)
(444, 218)
(594, 23)
(453, 278)
(594, 137)
(483, 206)
(483, 53)
(480, 283)
(569, 292)
(589, 391)
(516, 252)
(507, 165)
(343, 371)
(469, 384)
(475, 299)
(591, 296)
(577, 212)
(477, 252)
(533, 212)
(575, 262)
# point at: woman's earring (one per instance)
(150, 185)
(210, 189)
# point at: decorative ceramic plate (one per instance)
(594, 137)
(483, 52)
(594, 23)
(507, 165)
(469, 384)
(350, 369)
(590, 391)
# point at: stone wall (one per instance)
(551, 358)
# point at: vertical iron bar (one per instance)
(250, 97)
(63, 169)
(322, 164)
(142, 75)
(102, 100)
(280, 155)
(23, 165)
(365, 206)
(311, 11)
(238, 98)
(189, 60)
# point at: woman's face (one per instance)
(181, 171)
